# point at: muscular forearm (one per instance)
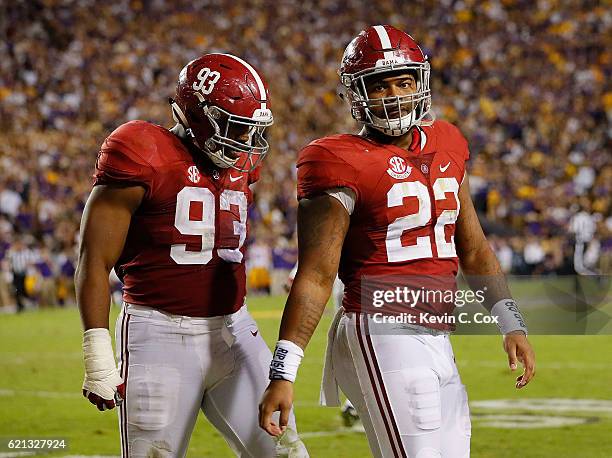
(482, 271)
(481, 260)
(478, 261)
(93, 293)
(304, 308)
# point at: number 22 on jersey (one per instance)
(396, 252)
(205, 228)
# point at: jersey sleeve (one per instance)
(458, 144)
(119, 163)
(464, 150)
(320, 170)
(461, 152)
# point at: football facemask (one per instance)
(392, 116)
(238, 142)
(378, 50)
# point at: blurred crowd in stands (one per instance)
(526, 81)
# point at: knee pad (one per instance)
(142, 448)
(415, 398)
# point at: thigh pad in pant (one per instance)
(415, 397)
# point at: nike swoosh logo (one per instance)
(443, 169)
(232, 179)
(254, 333)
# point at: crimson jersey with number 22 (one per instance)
(406, 204)
(184, 248)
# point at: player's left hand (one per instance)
(278, 396)
(518, 349)
(106, 404)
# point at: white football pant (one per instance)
(406, 389)
(174, 366)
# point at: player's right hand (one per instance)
(103, 385)
(277, 397)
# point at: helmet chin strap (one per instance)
(393, 127)
(179, 130)
(218, 160)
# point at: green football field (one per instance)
(565, 412)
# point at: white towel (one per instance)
(330, 395)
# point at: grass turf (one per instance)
(41, 375)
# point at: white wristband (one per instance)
(101, 375)
(285, 361)
(508, 316)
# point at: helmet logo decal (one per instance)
(193, 174)
(262, 115)
(398, 168)
(392, 61)
(203, 76)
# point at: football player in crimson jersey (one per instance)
(390, 203)
(168, 211)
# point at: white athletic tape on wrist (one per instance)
(101, 375)
(285, 361)
(509, 316)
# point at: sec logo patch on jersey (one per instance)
(193, 174)
(398, 168)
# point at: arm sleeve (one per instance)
(119, 164)
(293, 272)
(346, 196)
(319, 170)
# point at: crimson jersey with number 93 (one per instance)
(184, 250)
(403, 223)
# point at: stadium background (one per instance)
(527, 82)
